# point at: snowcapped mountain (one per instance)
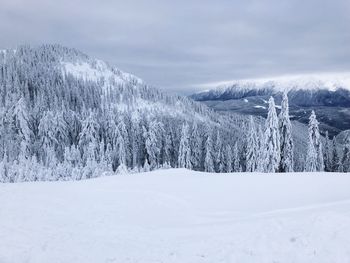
(327, 94)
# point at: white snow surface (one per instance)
(98, 70)
(178, 215)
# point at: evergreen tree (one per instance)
(327, 154)
(184, 159)
(121, 153)
(335, 157)
(272, 140)
(228, 161)
(22, 124)
(153, 142)
(196, 147)
(89, 138)
(236, 163)
(219, 165)
(315, 140)
(168, 149)
(260, 149)
(286, 141)
(346, 155)
(311, 161)
(208, 162)
(252, 147)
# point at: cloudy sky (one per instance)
(185, 45)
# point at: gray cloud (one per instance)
(177, 45)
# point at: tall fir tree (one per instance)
(311, 160)
(335, 157)
(327, 155)
(236, 161)
(228, 159)
(272, 140)
(208, 161)
(184, 159)
(286, 141)
(315, 142)
(252, 147)
(346, 155)
(196, 147)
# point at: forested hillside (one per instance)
(66, 116)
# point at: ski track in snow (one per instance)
(178, 216)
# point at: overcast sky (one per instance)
(182, 45)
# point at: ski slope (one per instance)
(180, 216)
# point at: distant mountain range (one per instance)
(328, 95)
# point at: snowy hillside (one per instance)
(69, 116)
(180, 216)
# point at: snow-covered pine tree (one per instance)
(311, 159)
(121, 153)
(346, 155)
(89, 138)
(272, 140)
(123, 138)
(260, 149)
(315, 140)
(286, 141)
(228, 159)
(196, 147)
(236, 162)
(153, 142)
(327, 154)
(218, 153)
(184, 158)
(335, 157)
(208, 160)
(4, 170)
(252, 147)
(48, 139)
(22, 124)
(168, 149)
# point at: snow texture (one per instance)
(180, 216)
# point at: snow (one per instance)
(98, 70)
(330, 81)
(260, 107)
(178, 215)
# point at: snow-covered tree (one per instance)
(346, 155)
(335, 157)
(327, 155)
(286, 141)
(89, 138)
(236, 162)
(311, 161)
(260, 149)
(121, 153)
(208, 161)
(228, 159)
(196, 147)
(22, 123)
(315, 144)
(218, 154)
(153, 142)
(184, 159)
(272, 140)
(252, 147)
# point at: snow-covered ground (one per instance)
(178, 216)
